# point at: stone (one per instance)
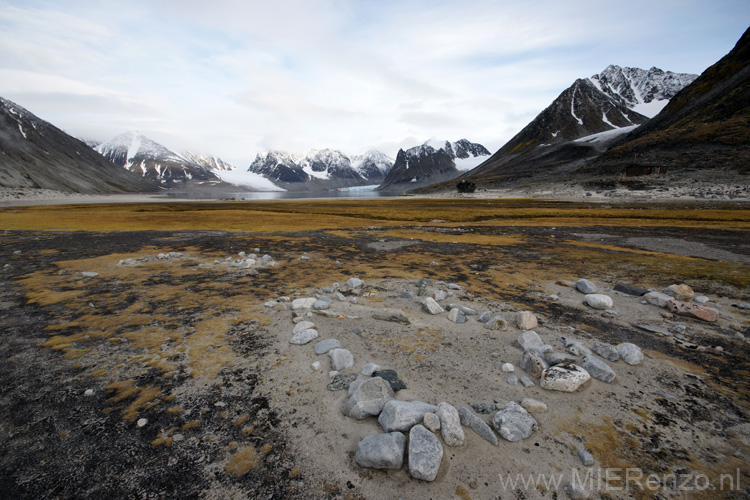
(339, 296)
(496, 323)
(431, 307)
(354, 283)
(407, 294)
(514, 423)
(679, 328)
(530, 340)
(533, 362)
(392, 315)
(421, 282)
(700, 299)
(431, 421)
(368, 399)
(316, 365)
(507, 368)
(653, 329)
(303, 325)
(391, 377)
(341, 359)
(585, 286)
(468, 311)
(608, 352)
(304, 337)
(476, 424)
(450, 424)
(326, 345)
(598, 301)
(574, 347)
(484, 408)
(636, 291)
(271, 304)
(322, 303)
(440, 295)
(355, 385)
(403, 415)
(454, 286)
(425, 454)
(525, 320)
(142, 422)
(304, 303)
(586, 458)
(553, 298)
(565, 378)
(598, 368)
(657, 299)
(526, 381)
(381, 451)
(330, 289)
(89, 274)
(512, 380)
(703, 313)
(630, 353)
(88, 392)
(680, 292)
(533, 405)
(560, 358)
(369, 369)
(484, 317)
(456, 315)
(341, 381)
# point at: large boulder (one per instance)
(425, 453)
(514, 423)
(368, 399)
(381, 451)
(403, 415)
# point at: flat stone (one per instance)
(304, 303)
(304, 337)
(322, 304)
(514, 423)
(468, 311)
(303, 325)
(326, 345)
(703, 313)
(450, 424)
(526, 381)
(529, 340)
(407, 294)
(653, 329)
(560, 358)
(341, 359)
(316, 365)
(585, 286)
(403, 415)
(512, 380)
(598, 301)
(368, 399)
(431, 307)
(533, 405)
(608, 352)
(484, 408)
(701, 299)
(392, 315)
(680, 292)
(425, 453)
(565, 378)
(354, 283)
(391, 377)
(431, 421)
(89, 274)
(630, 353)
(369, 369)
(657, 299)
(476, 424)
(381, 451)
(574, 347)
(598, 368)
(341, 381)
(525, 320)
(533, 362)
(628, 289)
(496, 322)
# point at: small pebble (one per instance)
(507, 368)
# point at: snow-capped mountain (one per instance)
(646, 92)
(36, 154)
(143, 156)
(320, 166)
(210, 162)
(433, 161)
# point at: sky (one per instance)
(235, 78)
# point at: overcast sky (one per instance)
(234, 78)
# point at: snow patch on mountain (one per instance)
(607, 135)
(247, 179)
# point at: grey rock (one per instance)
(355, 385)
(533, 362)
(440, 295)
(407, 294)
(628, 289)
(598, 301)
(392, 315)
(391, 377)
(585, 286)
(354, 283)
(369, 369)
(450, 424)
(431, 307)
(512, 380)
(574, 347)
(630, 353)
(303, 325)
(89, 274)
(341, 359)
(468, 311)
(381, 451)
(368, 399)
(606, 351)
(271, 304)
(496, 323)
(484, 317)
(484, 408)
(304, 337)
(339, 296)
(657, 299)
(476, 424)
(586, 458)
(526, 381)
(558, 358)
(507, 368)
(454, 286)
(326, 345)
(330, 289)
(341, 381)
(322, 303)
(425, 453)
(303, 303)
(653, 329)
(456, 315)
(431, 422)
(700, 299)
(422, 282)
(565, 378)
(514, 423)
(529, 340)
(598, 368)
(679, 328)
(403, 415)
